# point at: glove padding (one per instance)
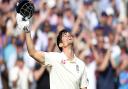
(22, 24)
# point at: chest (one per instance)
(68, 70)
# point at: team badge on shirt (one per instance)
(63, 61)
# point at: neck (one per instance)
(68, 51)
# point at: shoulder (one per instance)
(52, 54)
(80, 62)
(13, 71)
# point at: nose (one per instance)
(70, 36)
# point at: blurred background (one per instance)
(100, 30)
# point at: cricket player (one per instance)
(66, 71)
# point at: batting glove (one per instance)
(22, 24)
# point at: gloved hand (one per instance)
(22, 24)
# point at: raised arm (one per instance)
(24, 25)
(105, 62)
(37, 55)
(102, 65)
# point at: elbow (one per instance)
(38, 56)
(31, 53)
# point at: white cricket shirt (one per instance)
(66, 74)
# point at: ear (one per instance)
(60, 44)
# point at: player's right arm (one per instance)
(24, 25)
(37, 55)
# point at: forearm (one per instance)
(103, 65)
(96, 56)
(105, 62)
(29, 43)
(39, 73)
(114, 65)
(76, 26)
(123, 65)
(37, 55)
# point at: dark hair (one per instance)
(20, 57)
(59, 38)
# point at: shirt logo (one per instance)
(63, 61)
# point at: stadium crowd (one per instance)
(100, 31)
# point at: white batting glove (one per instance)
(22, 24)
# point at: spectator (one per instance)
(122, 69)
(90, 14)
(105, 71)
(20, 76)
(10, 53)
(103, 22)
(116, 51)
(68, 19)
(87, 57)
(42, 77)
(123, 74)
(100, 20)
(4, 81)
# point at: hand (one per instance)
(22, 24)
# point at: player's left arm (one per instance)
(84, 80)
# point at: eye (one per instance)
(65, 34)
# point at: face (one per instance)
(100, 41)
(111, 38)
(67, 39)
(20, 64)
(103, 19)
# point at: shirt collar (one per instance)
(67, 59)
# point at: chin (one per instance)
(71, 43)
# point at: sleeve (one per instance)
(51, 58)
(84, 80)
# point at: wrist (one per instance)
(26, 30)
